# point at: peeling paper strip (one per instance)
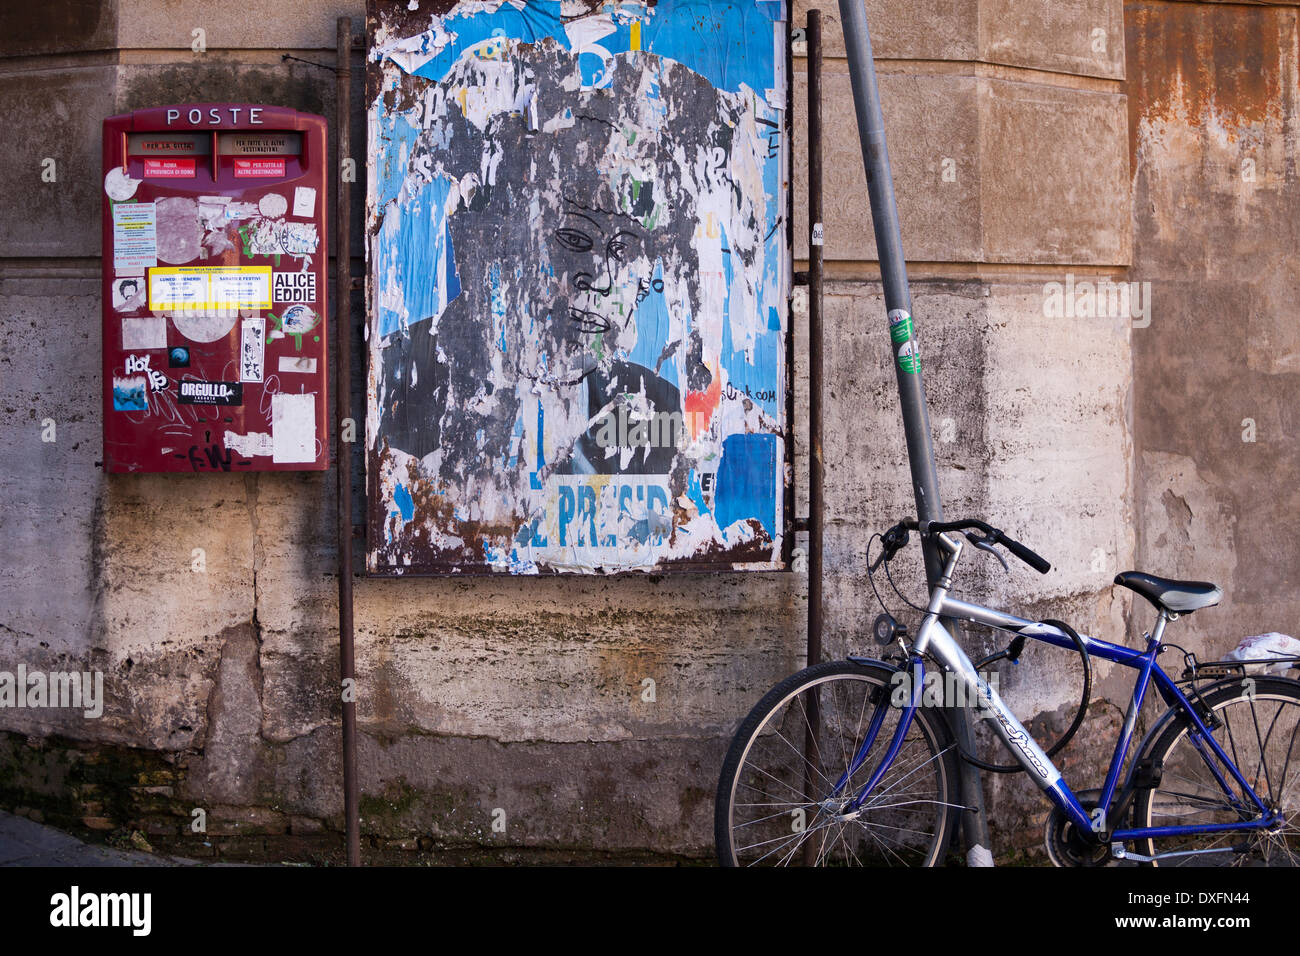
(254, 443)
(291, 363)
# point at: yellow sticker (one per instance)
(209, 288)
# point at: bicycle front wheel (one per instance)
(783, 797)
(1258, 722)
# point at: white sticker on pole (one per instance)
(818, 232)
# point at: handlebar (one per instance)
(990, 536)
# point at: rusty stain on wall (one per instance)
(1187, 61)
(578, 271)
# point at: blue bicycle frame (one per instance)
(934, 639)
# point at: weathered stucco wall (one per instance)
(1216, 218)
(1007, 125)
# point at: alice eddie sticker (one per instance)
(252, 350)
(293, 287)
(900, 326)
(909, 357)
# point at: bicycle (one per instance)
(844, 763)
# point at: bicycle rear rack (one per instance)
(1214, 670)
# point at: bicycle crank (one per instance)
(1067, 846)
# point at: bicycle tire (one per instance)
(1259, 723)
(913, 829)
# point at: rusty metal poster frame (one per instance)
(784, 494)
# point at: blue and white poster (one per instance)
(579, 269)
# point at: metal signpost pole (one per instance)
(906, 360)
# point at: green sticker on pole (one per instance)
(900, 326)
(909, 357)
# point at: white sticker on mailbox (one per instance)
(295, 363)
(178, 289)
(240, 288)
(293, 428)
(252, 350)
(146, 332)
(304, 201)
(135, 237)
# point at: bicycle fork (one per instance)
(935, 640)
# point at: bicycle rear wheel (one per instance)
(1258, 722)
(777, 803)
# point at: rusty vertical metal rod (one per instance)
(343, 453)
(816, 467)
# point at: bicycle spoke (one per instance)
(803, 745)
(1257, 733)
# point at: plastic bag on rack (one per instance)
(1259, 649)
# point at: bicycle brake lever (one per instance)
(984, 545)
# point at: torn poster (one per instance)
(579, 266)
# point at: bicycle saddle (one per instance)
(1177, 597)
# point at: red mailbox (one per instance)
(215, 277)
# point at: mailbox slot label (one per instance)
(258, 168)
(182, 168)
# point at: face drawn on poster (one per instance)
(128, 293)
(603, 386)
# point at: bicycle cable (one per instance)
(871, 573)
(900, 593)
(1012, 651)
(871, 578)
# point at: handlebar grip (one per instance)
(1035, 561)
